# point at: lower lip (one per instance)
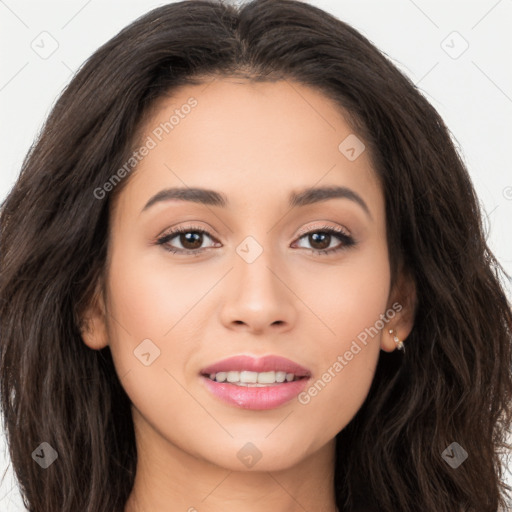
(255, 398)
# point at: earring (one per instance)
(399, 343)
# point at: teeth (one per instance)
(249, 377)
(281, 376)
(220, 377)
(252, 379)
(266, 378)
(233, 376)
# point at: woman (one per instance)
(244, 268)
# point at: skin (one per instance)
(255, 143)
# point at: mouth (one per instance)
(258, 384)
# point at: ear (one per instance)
(93, 322)
(402, 301)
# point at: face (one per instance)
(253, 273)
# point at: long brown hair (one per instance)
(453, 384)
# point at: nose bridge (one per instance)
(254, 265)
(259, 298)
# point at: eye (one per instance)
(321, 239)
(189, 237)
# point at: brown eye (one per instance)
(189, 240)
(321, 240)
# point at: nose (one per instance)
(259, 298)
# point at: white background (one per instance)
(472, 92)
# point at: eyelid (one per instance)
(175, 231)
(306, 231)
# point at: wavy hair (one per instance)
(454, 381)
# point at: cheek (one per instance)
(150, 326)
(154, 298)
(350, 303)
(349, 296)
(150, 307)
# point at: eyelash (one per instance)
(347, 241)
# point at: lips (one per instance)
(264, 395)
(259, 365)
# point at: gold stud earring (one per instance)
(399, 343)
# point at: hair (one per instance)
(452, 384)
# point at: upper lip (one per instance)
(253, 364)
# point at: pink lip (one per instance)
(262, 364)
(256, 398)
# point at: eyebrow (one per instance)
(296, 199)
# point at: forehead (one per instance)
(250, 139)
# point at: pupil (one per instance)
(314, 240)
(188, 238)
